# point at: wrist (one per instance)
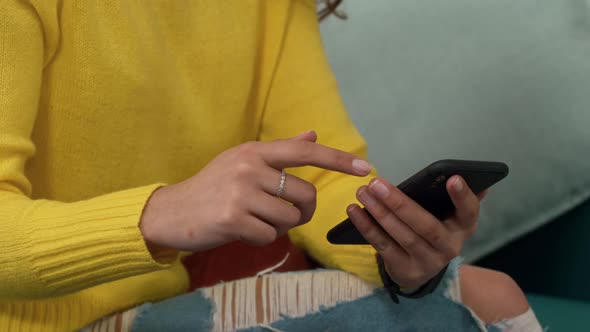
(404, 287)
(153, 212)
(394, 289)
(161, 254)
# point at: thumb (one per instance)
(482, 195)
(309, 136)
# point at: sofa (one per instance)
(486, 80)
(552, 265)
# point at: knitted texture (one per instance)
(101, 102)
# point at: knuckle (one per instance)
(313, 191)
(340, 157)
(364, 228)
(263, 238)
(249, 146)
(431, 233)
(310, 193)
(397, 202)
(305, 151)
(247, 149)
(229, 216)
(307, 216)
(379, 213)
(472, 213)
(244, 169)
(410, 241)
(381, 244)
(269, 236)
(294, 217)
(234, 198)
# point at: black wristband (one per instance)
(394, 289)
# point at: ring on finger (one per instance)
(282, 184)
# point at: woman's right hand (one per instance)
(234, 196)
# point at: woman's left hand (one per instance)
(414, 244)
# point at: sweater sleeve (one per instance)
(304, 95)
(50, 248)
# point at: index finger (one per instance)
(293, 153)
(408, 211)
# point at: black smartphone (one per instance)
(428, 188)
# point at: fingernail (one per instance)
(379, 188)
(350, 209)
(458, 184)
(365, 197)
(361, 166)
(304, 133)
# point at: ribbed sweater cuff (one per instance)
(77, 245)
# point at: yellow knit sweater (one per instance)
(103, 101)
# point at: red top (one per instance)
(237, 260)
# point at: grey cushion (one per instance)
(490, 80)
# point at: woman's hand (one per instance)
(234, 196)
(414, 244)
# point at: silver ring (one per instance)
(282, 183)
